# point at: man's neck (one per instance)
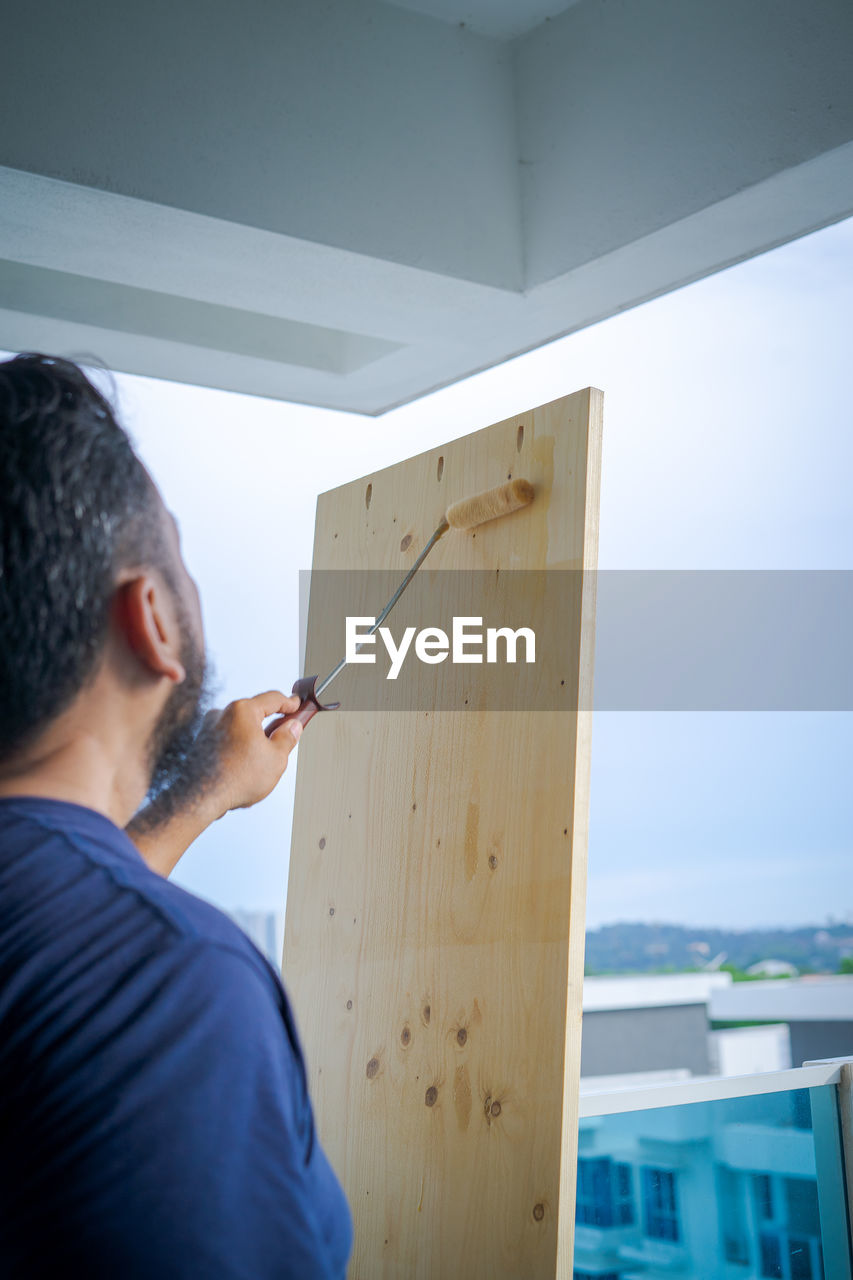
(80, 769)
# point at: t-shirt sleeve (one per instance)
(207, 1155)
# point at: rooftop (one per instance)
(645, 991)
(806, 999)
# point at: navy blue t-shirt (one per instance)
(154, 1111)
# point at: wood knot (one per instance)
(349, 1004)
(405, 1036)
(406, 542)
(431, 1096)
(461, 1037)
(495, 1109)
(331, 911)
(426, 1014)
(322, 842)
(493, 862)
(538, 1212)
(372, 1068)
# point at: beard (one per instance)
(183, 761)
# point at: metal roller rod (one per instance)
(440, 531)
(466, 514)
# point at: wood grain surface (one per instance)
(435, 911)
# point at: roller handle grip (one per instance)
(308, 706)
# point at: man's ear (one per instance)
(147, 618)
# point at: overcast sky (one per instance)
(727, 444)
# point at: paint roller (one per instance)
(469, 513)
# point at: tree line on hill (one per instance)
(671, 948)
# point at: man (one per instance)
(154, 1114)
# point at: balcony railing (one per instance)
(734, 1178)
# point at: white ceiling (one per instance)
(351, 203)
(504, 19)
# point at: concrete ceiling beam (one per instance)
(350, 204)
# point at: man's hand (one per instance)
(251, 762)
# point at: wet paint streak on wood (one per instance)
(440, 1004)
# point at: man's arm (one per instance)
(250, 763)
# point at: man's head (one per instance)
(91, 575)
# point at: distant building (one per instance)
(718, 1189)
(773, 969)
(266, 929)
(743, 1051)
(636, 1024)
(818, 1011)
(650, 1022)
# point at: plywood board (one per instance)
(435, 909)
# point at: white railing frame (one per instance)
(678, 1093)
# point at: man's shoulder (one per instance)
(194, 919)
(90, 931)
(61, 860)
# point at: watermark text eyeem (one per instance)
(466, 643)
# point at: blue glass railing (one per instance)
(724, 1179)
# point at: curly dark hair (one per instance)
(77, 505)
